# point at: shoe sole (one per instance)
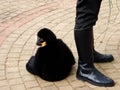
(96, 84)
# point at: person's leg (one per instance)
(86, 17)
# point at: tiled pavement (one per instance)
(20, 20)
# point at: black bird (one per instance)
(53, 61)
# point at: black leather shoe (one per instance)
(102, 58)
(93, 76)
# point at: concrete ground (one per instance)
(20, 20)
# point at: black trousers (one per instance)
(86, 13)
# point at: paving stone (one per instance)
(12, 70)
(100, 88)
(28, 78)
(13, 55)
(83, 88)
(5, 88)
(61, 83)
(50, 88)
(35, 88)
(44, 83)
(2, 66)
(11, 63)
(2, 77)
(13, 75)
(15, 81)
(77, 83)
(2, 72)
(31, 84)
(66, 88)
(116, 87)
(3, 83)
(20, 20)
(16, 50)
(18, 87)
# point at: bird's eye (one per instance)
(39, 41)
